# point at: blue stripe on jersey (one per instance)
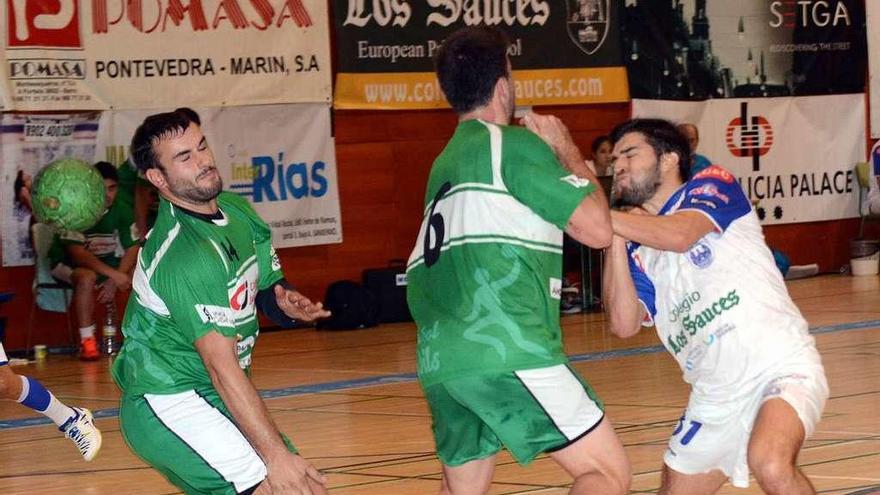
(644, 287)
(715, 192)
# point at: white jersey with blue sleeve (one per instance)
(721, 308)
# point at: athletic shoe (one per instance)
(570, 307)
(82, 430)
(88, 349)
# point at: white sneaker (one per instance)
(82, 430)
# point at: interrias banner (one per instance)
(123, 54)
(563, 51)
(280, 157)
(794, 157)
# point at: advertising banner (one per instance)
(794, 157)
(280, 157)
(699, 49)
(27, 144)
(122, 54)
(562, 52)
(873, 23)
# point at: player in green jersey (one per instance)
(188, 407)
(97, 262)
(484, 283)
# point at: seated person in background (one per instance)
(101, 257)
(872, 202)
(601, 162)
(698, 161)
(139, 196)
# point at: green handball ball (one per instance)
(69, 194)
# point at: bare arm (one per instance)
(287, 471)
(625, 312)
(590, 223)
(82, 257)
(676, 232)
(142, 199)
(126, 264)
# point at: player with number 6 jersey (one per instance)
(484, 284)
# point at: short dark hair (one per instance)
(599, 141)
(155, 127)
(469, 63)
(663, 137)
(107, 171)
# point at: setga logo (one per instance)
(749, 136)
(808, 13)
(43, 23)
(715, 172)
(266, 179)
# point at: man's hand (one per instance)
(120, 279)
(106, 292)
(291, 474)
(551, 130)
(298, 306)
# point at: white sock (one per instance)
(87, 332)
(56, 410)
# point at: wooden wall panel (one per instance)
(383, 161)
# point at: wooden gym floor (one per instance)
(350, 402)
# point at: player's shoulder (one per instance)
(235, 203)
(521, 136)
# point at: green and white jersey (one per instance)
(194, 274)
(108, 240)
(484, 278)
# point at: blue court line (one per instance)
(867, 491)
(372, 381)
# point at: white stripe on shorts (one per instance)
(211, 435)
(3, 358)
(564, 399)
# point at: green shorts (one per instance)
(191, 439)
(528, 412)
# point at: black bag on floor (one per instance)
(389, 286)
(351, 305)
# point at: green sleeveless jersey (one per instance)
(194, 274)
(484, 278)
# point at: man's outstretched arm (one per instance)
(287, 472)
(676, 232)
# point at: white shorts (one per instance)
(3, 358)
(713, 434)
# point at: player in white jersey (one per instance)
(689, 257)
(76, 423)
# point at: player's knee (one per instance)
(7, 386)
(84, 278)
(772, 472)
(616, 479)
